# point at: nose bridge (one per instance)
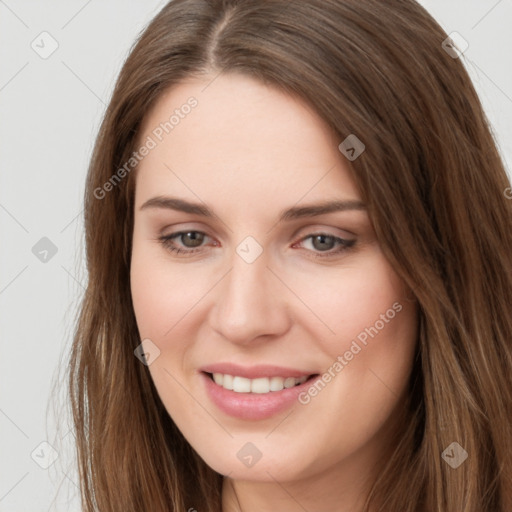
(248, 303)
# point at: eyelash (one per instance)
(345, 245)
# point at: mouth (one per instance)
(255, 392)
(260, 385)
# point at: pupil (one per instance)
(195, 237)
(322, 239)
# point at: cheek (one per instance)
(355, 303)
(161, 296)
(367, 333)
(367, 361)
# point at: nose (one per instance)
(250, 303)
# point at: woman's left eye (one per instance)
(322, 244)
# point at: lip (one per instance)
(254, 406)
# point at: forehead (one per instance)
(232, 136)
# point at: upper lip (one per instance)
(255, 371)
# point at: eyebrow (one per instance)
(296, 212)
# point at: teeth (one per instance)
(227, 381)
(276, 384)
(289, 382)
(241, 385)
(261, 385)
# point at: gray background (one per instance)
(50, 110)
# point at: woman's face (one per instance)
(269, 289)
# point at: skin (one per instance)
(249, 151)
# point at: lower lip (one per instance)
(253, 406)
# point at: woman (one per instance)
(298, 244)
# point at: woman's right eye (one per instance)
(194, 238)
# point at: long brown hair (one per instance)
(434, 184)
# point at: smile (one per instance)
(259, 394)
(260, 385)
